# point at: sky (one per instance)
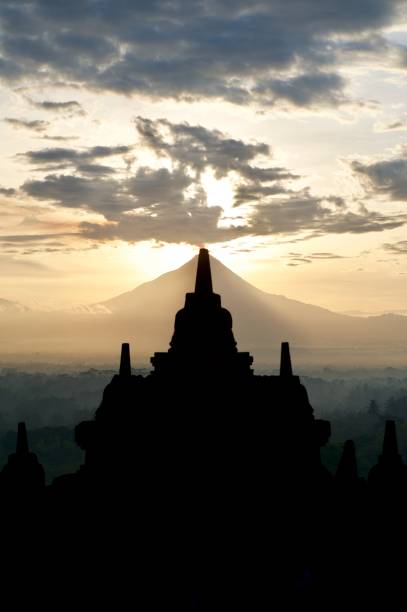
(274, 133)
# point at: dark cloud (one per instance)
(296, 259)
(35, 125)
(10, 70)
(198, 149)
(397, 125)
(256, 191)
(105, 196)
(394, 125)
(70, 107)
(197, 224)
(159, 188)
(55, 154)
(19, 238)
(313, 89)
(169, 203)
(190, 149)
(193, 225)
(159, 193)
(396, 248)
(303, 212)
(386, 177)
(325, 256)
(300, 260)
(237, 51)
(59, 138)
(8, 192)
(82, 159)
(95, 169)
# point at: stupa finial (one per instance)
(203, 282)
(125, 364)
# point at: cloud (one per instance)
(325, 256)
(18, 238)
(396, 248)
(386, 177)
(318, 89)
(97, 194)
(296, 259)
(200, 149)
(8, 192)
(169, 203)
(59, 138)
(35, 125)
(59, 154)
(195, 225)
(316, 216)
(238, 51)
(10, 266)
(398, 124)
(155, 191)
(82, 159)
(191, 151)
(69, 107)
(192, 225)
(32, 243)
(299, 260)
(159, 188)
(255, 191)
(95, 169)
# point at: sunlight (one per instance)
(219, 192)
(155, 259)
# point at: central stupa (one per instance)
(203, 338)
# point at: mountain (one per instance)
(145, 317)
(259, 317)
(261, 320)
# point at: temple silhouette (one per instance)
(202, 486)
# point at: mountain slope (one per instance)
(145, 317)
(261, 320)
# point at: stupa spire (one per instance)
(22, 440)
(390, 446)
(125, 364)
(285, 362)
(389, 473)
(203, 282)
(347, 468)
